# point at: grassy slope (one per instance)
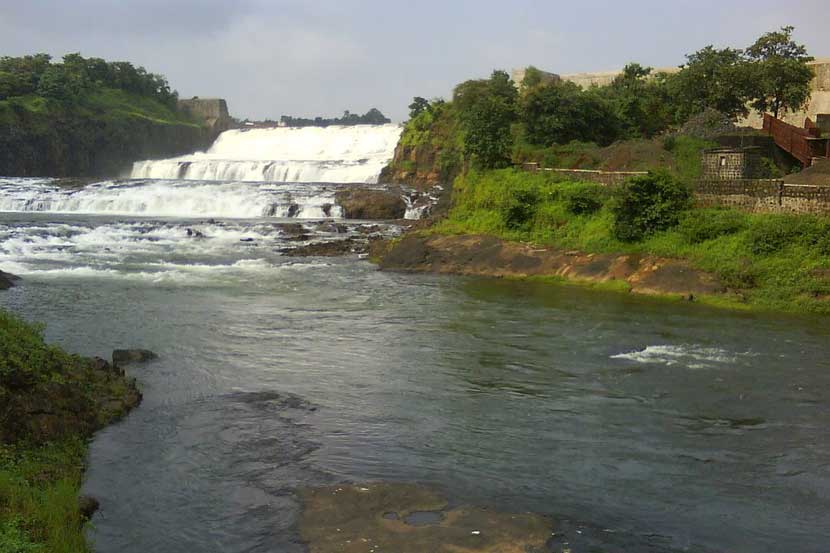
(769, 261)
(99, 104)
(42, 456)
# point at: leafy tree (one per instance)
(781, 76)
(640, 100)
(487, 138)
(647, 204)
(55, 84)
(486, 108)
(533, 78)
(417, 106)
(558, 113)
(712, 78)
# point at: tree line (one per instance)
(771, 75)
(75, 76)
(371, 117)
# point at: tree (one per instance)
(417, 106)
(558, 113)
(712, 78)
(487, 138)
(641, 101)
(781, 76)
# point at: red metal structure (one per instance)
(804, 144)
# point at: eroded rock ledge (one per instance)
(490, 256)
(406, 518)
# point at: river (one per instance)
(637, 424)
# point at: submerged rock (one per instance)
(370, 204)
(126, 356)
(7, 280)
(406, 518)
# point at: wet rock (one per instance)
(102, 365)
(126, 356)
(194, 233)
(329, 249)
(247, 240)
(293, 210)
(7, 280)
(87, 506)
(333, 228)
(290, 229)
(352, 519)
(370, 204)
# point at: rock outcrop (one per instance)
(7, 280)
(127, 356)
(490, 256)
(370, 204)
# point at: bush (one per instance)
(519, 210)
(647, 204)
(773, 233)
(581, 198)
(698, 226)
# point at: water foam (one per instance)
(354, 154)
(171, 199)
(693, 356)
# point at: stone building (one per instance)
(212, 111)
(732, 163)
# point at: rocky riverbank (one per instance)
(484, 255)
(51, 402)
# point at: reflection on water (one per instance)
(642, 425)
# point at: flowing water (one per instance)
(285, 154)
(638, 425)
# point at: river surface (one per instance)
(643, 425)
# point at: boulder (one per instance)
(126, 356)
(87, 506)
(370, 204)
(7, 280)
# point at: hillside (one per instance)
(87, 117)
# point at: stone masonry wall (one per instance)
(763, 196)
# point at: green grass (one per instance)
(50, 403)
(769, 261)
(105, 103)
(39, 498)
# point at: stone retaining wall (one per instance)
(763, 196)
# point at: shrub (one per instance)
(581, 198)
(520, 208)
(773, 233)
(647, 204)
(698, 226)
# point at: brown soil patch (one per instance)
(372, 518)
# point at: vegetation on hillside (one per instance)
(86, 116)
(771, 261)
(491, 123)
(50, 403)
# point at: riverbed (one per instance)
(637, 424)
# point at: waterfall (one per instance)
(354, 154)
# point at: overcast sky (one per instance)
(273, 57)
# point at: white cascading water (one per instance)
(247, 173)
(171, 199)
(354, 154)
